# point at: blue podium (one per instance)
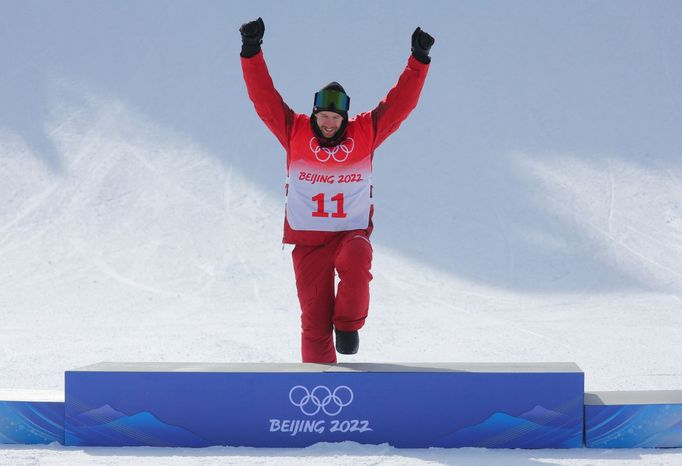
(633, 419)
(296, 405)
(31, 417)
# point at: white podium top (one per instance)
(553, 367)
(38, 396)
(641, 397)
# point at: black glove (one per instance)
(252, 36)
(421, 44)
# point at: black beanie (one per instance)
(332, 86)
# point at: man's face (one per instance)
(329, 123)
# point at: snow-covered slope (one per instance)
(528, 210)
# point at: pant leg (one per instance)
(314, 270)
(353, 263)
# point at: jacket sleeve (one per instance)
(270, 106)
(400, 101)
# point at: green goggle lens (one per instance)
(329, 99)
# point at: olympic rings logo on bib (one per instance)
(346, 147)
(321, 398)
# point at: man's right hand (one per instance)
(422, 42)
(252, 37)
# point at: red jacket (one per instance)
(332, 170)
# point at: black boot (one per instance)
(347, 342)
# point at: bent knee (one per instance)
(356, 254)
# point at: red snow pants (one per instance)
(322, 309)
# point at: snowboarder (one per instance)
(328, 214)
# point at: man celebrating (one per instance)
(329, 192)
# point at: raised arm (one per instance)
(270, 106)
(403, 97)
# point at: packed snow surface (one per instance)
(529, 209)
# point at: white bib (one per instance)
(330, 191)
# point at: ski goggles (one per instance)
(327, 99)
